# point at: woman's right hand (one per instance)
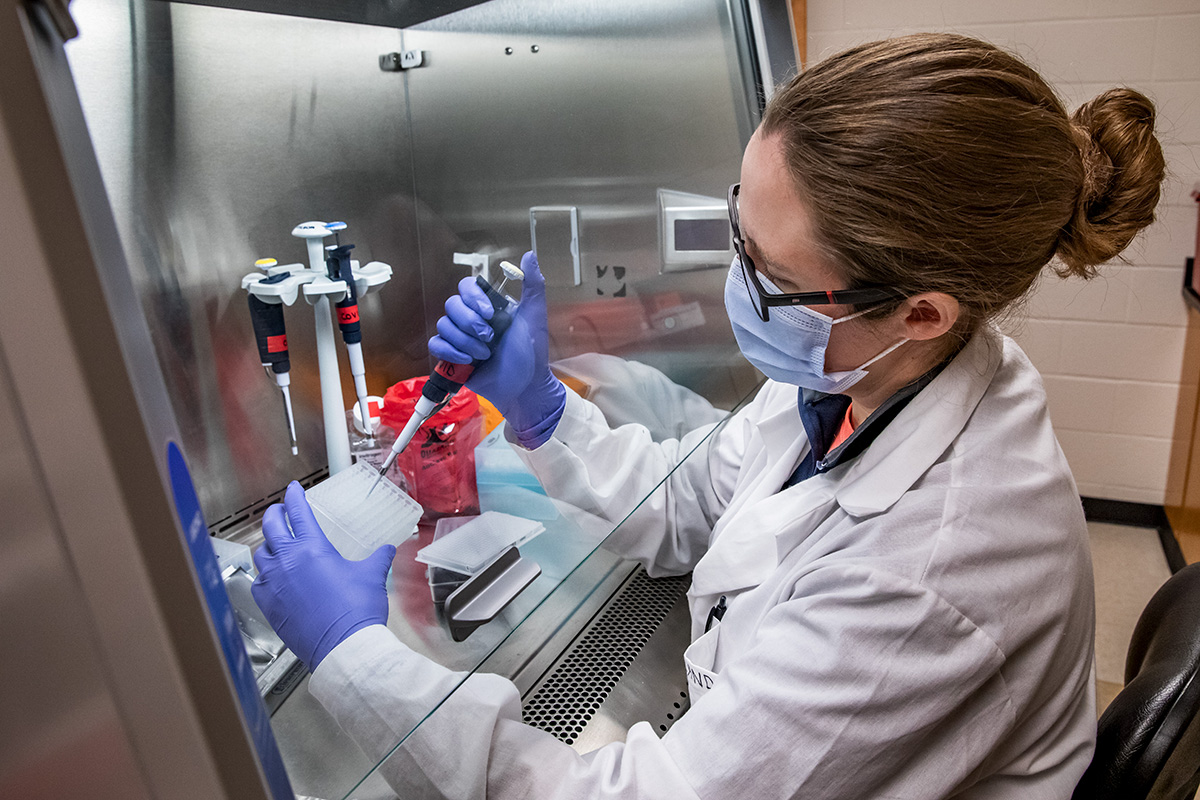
(514, 373)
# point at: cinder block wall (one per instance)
(1109, 349)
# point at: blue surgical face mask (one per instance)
(790, 348)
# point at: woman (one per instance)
(897, 547)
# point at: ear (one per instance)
(928, 315)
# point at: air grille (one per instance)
(251, 516)
(581, 680)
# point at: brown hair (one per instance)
(937, 162)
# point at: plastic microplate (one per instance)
(473, 544)
(359, 524)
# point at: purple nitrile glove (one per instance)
(514, 374)
(312, 596)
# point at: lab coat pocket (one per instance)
(699, 659)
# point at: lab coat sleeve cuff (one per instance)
(539, 434)
(580, 422)
(572, 421)
(351, 654)
(378, 689)
(379, 692)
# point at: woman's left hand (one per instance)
(311, 595)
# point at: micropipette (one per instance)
(338, 264)
(271, 337)
(447, 378)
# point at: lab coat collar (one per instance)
(747, 552)
(749, 548)
(918, 436)
(782, 433)
(743, 552)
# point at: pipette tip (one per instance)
(376, 483)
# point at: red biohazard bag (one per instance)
(438, 466)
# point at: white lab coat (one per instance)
(917, 623)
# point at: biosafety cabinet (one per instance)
(152, 156)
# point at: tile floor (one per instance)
(1129, 566)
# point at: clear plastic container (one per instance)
(230, 554)
(364, 439)
(443, 582)
(476, 540)
(497, 464)
(358, 520)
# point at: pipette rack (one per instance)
(321, 292)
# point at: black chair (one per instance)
(1148, 742)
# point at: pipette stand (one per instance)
(321, 293)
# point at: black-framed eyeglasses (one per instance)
(763, 301)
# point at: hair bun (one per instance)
(1122, 170)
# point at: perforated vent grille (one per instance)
(251, 515)
(569, 697)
